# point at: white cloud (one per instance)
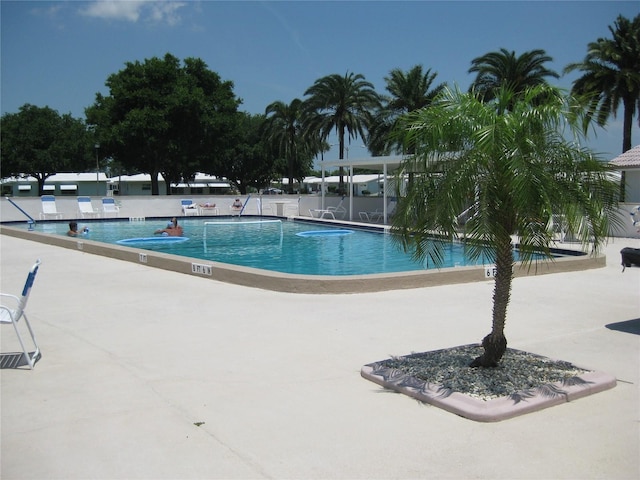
(166, 12)
(155, 11)
(128, 10)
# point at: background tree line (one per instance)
(173, 119)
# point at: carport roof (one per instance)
(373, 163)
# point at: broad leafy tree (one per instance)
(340, 103)
(611, 74)
(39, 142)
(408, 91)
(506, 163)
(249, 162)
(503, 69)
(161, 117)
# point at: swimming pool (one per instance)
(295, 247)
(54, 234)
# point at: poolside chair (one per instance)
(208, 208)
(86, 208)
(49, 209)
(338, 211)
(109, 207)
(378, 215)
(558, 227)
(189, 208)
(11, 314)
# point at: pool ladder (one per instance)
(31, 222)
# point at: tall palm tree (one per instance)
(496, 70)
(611, 73)
(284, 130)
(343, 104)
(408, 91)
(516, 169)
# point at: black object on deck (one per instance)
(630, 257)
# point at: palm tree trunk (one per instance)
(495, 344)
(629, 104)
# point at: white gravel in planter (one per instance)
(517, 372)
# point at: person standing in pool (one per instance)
(172, 230)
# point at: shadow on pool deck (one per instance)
(630, 326)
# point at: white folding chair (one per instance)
(11, 314)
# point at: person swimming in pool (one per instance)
(73, 230)
(172, 229)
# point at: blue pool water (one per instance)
(281, 246)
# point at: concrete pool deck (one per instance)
(148, 373)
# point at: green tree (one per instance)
(341, 103)
(611, 74)
(40, 142)
(285, 133)
(164, 118)
(499, 70)
(509, 160)
(408, 91)
(248, 162)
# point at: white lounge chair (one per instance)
(49, 209)
(189, 208)
(109, 207)
(338, 211)
(377, 215)
(11, 315)
(208, 208)
(320, 213)
(86, 208)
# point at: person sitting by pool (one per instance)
(237, 204)
(73, 230)
(172, 229)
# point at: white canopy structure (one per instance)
(386, 165)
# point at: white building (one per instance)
(140, 184)
(70, 184)
(629, 165)
(75, 184)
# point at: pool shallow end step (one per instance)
(294, 283)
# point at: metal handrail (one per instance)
(31, 222)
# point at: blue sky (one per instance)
(60, 53)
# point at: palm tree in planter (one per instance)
(508, 158)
